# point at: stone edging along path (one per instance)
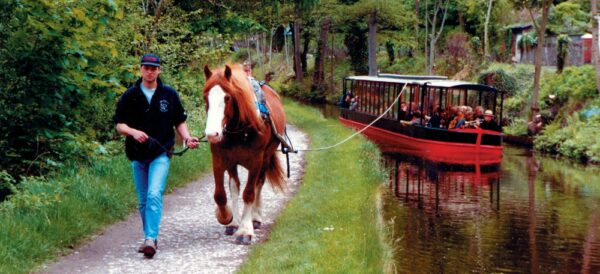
(191, 240)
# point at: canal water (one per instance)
(526, 214)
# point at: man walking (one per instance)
(147, 115)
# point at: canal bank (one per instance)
(331, 225)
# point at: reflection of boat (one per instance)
(443, 186)
(423, 95)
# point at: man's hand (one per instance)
(139, 136)
(192, 142)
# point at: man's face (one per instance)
(487, 118)
(149, 73)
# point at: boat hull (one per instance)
(464, 146)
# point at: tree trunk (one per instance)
(426, 53)
(258, 53)
(434, 37)
(486, 41)
(431, 58)
(304, 54)
(373, 43)
(287, 54)
(417, 22)
(596, 54)
(272, 33)
(541, 30)
(248, 49)
(319, 74)
(297, 62)
(158, 12)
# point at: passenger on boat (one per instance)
(353, 103)
(478, 112)
(444, 119)
(435, 119)
(470, 121)
(416, 119)
(458, 121)
(451, 113)
(489, 122)
(402, 111)
(346, 100)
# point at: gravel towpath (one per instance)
(191, 240)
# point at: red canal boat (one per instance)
(423, 96)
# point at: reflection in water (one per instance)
(450, 218)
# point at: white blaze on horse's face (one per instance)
(215, 114)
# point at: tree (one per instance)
(540, 28)
(380, 15)
(440, 8)
(300, 8)
(319, 73)
(486, 38)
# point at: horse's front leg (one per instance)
(223, 213)
(246, 230)
(234, 193)
(257, 209)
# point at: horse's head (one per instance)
(229, 102)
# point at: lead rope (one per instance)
(289, 147)
(358, 132)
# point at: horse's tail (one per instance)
(274, 172)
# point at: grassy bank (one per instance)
(330, 226)
(49, 216)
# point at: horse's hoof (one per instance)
(243, 240)
(225, 218)
(229, 230)
(256, 224)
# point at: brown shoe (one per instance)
(149, 248)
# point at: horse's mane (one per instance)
(238, 87)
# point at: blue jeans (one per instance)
(150, 178)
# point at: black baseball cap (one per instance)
(150, 60)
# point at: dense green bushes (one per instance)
(57, 72)
(564, 99)
(65, 63)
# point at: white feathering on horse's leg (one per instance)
(257, 209)
(246, 228)
(234, 193)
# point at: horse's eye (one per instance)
(227, 98)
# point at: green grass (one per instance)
(50, 216)
(331, 225)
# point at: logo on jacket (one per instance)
(164, 105)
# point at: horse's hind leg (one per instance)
(234, 193)
(246, 231)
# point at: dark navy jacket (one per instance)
(156, 119)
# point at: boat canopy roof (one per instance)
(433, 81)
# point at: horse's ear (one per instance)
(227, 72)
(207, 72)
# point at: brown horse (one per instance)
(238, 135)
